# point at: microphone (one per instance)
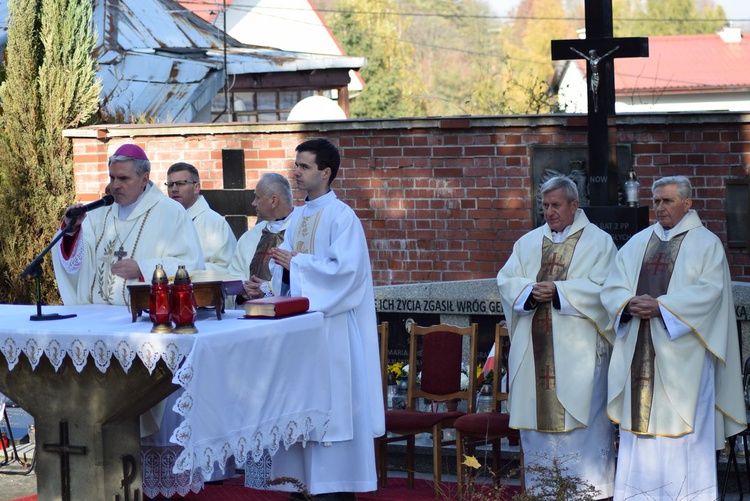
(102, 202)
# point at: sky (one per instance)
(735, 9)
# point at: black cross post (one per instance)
(65, 450)
(234, 202)
(599, 48)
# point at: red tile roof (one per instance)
(685, 63)
(206, 9)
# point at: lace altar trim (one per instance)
(158, 463)
(246, 443)
(101, 350)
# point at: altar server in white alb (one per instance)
(559, 355)
(122, 244)
(325, 258)
(216, 236)
(674, 381)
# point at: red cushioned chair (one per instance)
(487, 427)
(442, 348)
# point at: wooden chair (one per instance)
(383, 340)
(442, 348)
(487, 427)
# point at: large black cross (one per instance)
(65, 450)
(234, 202)
(599, 48)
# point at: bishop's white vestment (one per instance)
(332, 269)
(574, 429)
(695, 398)
(157, 231)
(216, 236)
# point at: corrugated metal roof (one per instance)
(138, 77)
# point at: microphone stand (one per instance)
(35, 270)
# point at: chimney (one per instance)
(730, 34)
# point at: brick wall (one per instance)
(441, 199)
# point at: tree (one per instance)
(667, 17)
(373, 28)
(50, 86)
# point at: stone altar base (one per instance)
(100, 413)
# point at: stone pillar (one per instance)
(101, 413)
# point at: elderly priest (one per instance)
(674, 382)
(113, 247)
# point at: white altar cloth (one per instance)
(249, 385)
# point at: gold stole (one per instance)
(259, 263)
(656, 272)
(304, 234)
(556, 258)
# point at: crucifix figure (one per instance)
(600, 77)
(594, 59)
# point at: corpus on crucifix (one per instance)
(599, 49)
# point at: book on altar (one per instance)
(276, 306)
(232, 284)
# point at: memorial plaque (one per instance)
(549, 161)
(620, 222)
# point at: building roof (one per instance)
(686, 64)
(290, 25)
(158, 59)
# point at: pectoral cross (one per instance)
(121, 253)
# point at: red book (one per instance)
(276, 306)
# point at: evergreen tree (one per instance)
(50, 86)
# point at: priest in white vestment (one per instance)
(325, 258)
(550, 288)
(675, 377)
(119, 245)
(273, 206)
(216, 236)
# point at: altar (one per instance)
(87, 379)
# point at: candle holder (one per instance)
(632, 186)
(159, 307)
(182, 303)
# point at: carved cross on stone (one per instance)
(599, 48)
(65, 450)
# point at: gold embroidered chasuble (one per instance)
(158, 230)
(556, 258)
(259, 263)
(103, 282)
(698, 322)
(656, 272)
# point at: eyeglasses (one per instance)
(179, 184)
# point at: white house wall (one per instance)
(290, 25)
